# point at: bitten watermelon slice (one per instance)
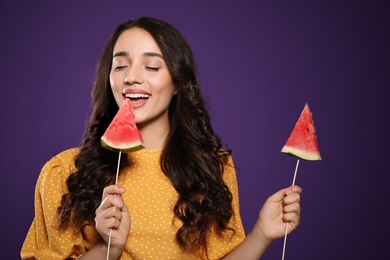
(302, 141)
(122, 134)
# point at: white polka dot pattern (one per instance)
(150, 198)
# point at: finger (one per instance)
(108, 219)
(293, 189)
(111, 223)
(112, 212)
(111, 201)
(116, 201)
(292, 208)
(292, 198)
(296, 188)
(124, 208)
(291, 218)
(281, 194)
(278, 196)
(104, 226)
(112, 190)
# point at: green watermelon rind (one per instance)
(122, 134)
(123, 148)
(302, 141)
(310, 156)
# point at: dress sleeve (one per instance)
(44, 240)
(219, 246)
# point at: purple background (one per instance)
(259, 62)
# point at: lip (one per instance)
(139, 102)
(135, 91)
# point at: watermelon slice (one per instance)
(122, 134)
(302, 141)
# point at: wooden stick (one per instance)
(295, 173)
(285, 234)
(116, 182)
(117, 168)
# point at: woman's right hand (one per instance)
(113, 214)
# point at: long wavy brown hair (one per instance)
(192, 158)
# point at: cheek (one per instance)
(116, 90)
(114, 83)
(169, 95)
(164, 84)
(167, 91)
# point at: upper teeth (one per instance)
(137, 95)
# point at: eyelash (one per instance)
(153, 68)
(147, 68)
(119, 67)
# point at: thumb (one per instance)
(126, 219)
(279, 195)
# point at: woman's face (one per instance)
(139, 72)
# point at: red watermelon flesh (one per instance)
(122, 134)
(302, 141)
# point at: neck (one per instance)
(154, 135)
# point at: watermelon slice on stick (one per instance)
(302, 143)
(122, 135)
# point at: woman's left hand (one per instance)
(280, 208)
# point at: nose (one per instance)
(133, 76)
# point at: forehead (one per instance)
(136, 40)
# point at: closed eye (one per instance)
(119, 67)
(152, 68)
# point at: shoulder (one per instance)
(64, 159)
(58, 168)
(229, 171)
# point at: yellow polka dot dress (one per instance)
(150, 198)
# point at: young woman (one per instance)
(175, 199)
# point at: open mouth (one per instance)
(136, 96)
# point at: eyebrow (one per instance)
(146, 54)
(120, 54)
